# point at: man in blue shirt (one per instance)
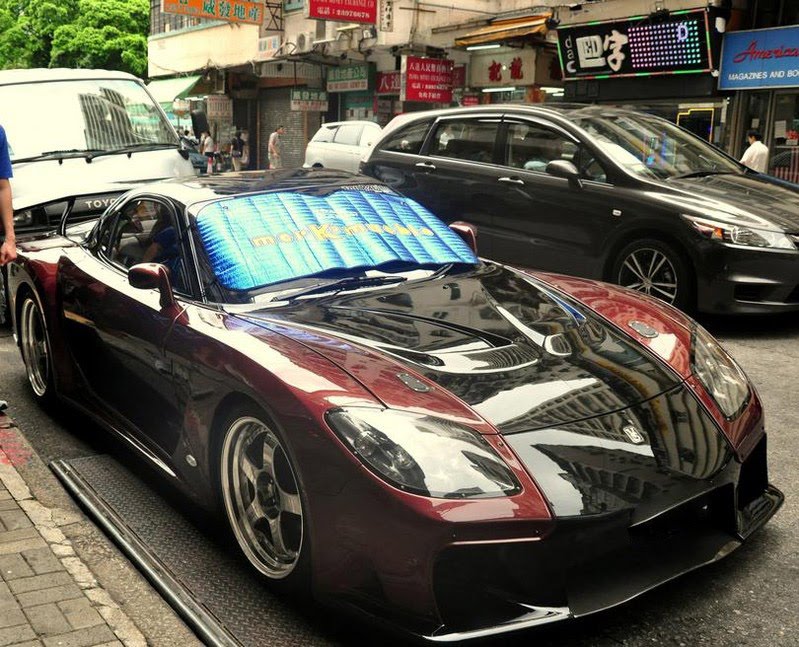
(8, 250)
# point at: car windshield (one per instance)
(60, 118)
(255, 241)
(652, 147)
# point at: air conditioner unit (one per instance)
(304, 41)
(219, 82)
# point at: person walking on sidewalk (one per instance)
(236, 151)
(756, 156)
(207, 148)
(275, 148)
(8, 250)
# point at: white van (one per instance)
(82, 132)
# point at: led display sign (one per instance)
(640, 46)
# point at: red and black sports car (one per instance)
(457, 446)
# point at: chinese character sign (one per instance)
(309, 100)
(503, 67)
(348, 78)
(637, 47)
(243, 11)
(362, 11)
(426, 79)
(388, 83)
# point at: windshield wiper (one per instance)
(702, 174)
(341, 284)
(68, 153)
(135, 148)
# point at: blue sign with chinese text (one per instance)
(760, 58)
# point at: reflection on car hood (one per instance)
(752, 200)
(514, 351)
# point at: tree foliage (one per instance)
(109, 34)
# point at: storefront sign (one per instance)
(309, 100)
(764, 58)
(228, 10)
(348, 78)
(459, 76)
(470, 100)
(426, 79)
(219, 106)
(678, 44)
(502, 67)
(388, 83)
(293, 5)
(364, 11)
(268, 47)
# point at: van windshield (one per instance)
(83, 115)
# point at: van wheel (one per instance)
(657, 269)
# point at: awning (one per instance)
(502, 30)
(167, 90)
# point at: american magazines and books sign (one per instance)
(243, 11)
(362, 11)
(764, 58)
(428, 80)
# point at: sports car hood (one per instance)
(748, 200)
(518, 353)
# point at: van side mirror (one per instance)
(467, 231)
(566, 170)
(153, 276)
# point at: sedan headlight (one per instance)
(738, 235)
(424, 455)
(719, 373)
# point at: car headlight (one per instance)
(719, 373)
(23, 218)
(739, 235)
(424, 455)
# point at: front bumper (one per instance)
(734, 280)
(591, 563)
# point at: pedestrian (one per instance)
(237, 150)
(8, 250)
(756, 156)
(275, 148)
(207, 148)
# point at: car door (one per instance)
(549, 222)
(116, 332)
(346, 153)
(460, 173)
(320, 146)
(369, 136)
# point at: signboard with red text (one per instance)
(363, 11)
(388, 82)
(427, 80)
(502, 68)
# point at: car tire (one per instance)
(655, 268)
(263, 500)
(34, 343)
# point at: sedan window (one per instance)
(467, 139)
(348, 134)
(531, 147)
(407, 140)
(325, 134)
(145, 232)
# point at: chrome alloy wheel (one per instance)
(262, 497)
(35, 350)
(650, 271)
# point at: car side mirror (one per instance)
(467, 231)
(153, 276)
(566, 170)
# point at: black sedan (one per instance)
(604, 193)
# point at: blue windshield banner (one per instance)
(760, 58)
(254, 241)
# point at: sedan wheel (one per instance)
(262, 497)
(656, 269)
(35, 348)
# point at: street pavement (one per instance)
(750, 598)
